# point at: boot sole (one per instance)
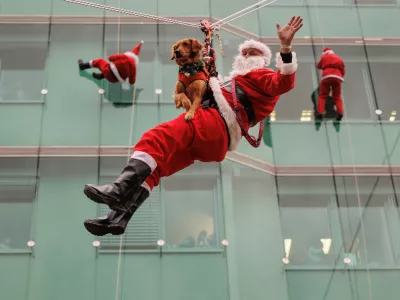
(93, 195)
(100, 230)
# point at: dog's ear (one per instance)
(196, 46)
(173, 51)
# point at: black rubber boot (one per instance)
(339, 117)
(115, 222)
(83, 65)
(98, 76)
(118, 194)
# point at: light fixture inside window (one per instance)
(288, 246)
(326, 245)
(272, 116)
(378, 112)
(393, 116)
(306, 116)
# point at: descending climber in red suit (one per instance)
(121, 66)
(333, 71)
(175, 145)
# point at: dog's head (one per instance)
(186, 51)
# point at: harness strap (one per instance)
(246, 104)
(251, 139)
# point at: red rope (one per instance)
(251, 139)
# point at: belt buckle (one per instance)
(205, 104)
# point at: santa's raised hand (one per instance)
(286, 34)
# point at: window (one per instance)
(191, 205)
(306, 222)
(191, 211)
(23, 52)
(17, 193)
(370, 220)
(385, 69)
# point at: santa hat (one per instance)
(134, 53)
(266, 51)
(327, 51)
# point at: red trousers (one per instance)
(324, 90)
(175, 145)
(105, 69)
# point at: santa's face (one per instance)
(248, 60)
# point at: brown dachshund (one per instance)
(192, 78)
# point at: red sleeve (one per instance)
(343, 68)
(276, 84)
(320, 64)
(132, 79)
(280, 82)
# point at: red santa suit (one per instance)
(176, 144)
(121, 66)
(333, 71)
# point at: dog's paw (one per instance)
(186, 104)
(177, 100)
(178, 104)
(189, 116)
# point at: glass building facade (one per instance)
(309, 215)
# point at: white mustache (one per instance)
(242, 65)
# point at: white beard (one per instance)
(242, 65)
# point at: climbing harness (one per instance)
(251, 139)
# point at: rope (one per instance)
(226, 20)
(130, 12)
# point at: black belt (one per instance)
(244, 100)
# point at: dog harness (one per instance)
(191, 72)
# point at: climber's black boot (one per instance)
(98, 76)
(115, 222)
(83, 65)
(118, 194)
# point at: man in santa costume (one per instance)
(333, 71)
(216, 128)
(120, 67)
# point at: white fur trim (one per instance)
(146, 186)
(333, 76)
(146, 158)
(91, 63)
(328, 52)
(133, 55)
(259, 46)
(286, 69)
(116, 73)
(227, 113)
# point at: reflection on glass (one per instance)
(306, 224)
(22, 62)
(370, 229)
(190, 215)
(17, 193)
